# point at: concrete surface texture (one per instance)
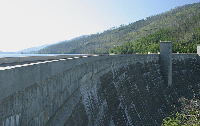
(166, 61)
(95, 90)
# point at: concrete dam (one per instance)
(99, 90)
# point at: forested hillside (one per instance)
(179, 25)
(182, 41)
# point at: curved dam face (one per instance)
(123, 95)
(94, 90)
(134, 93)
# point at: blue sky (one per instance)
(32, 23)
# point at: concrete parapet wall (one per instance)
(184, 56)
(35, 58)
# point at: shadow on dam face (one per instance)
(134, 94)
(100, 90)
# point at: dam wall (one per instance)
(32, 93)
(94, 89)
(136, 93)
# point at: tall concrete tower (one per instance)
(166, 61)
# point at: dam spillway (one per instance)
(94, 89)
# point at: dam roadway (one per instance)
(134, 89)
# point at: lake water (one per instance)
(24, 55)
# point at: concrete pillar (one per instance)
(198, 53)
(166, 61)
(198, 49)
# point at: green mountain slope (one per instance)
(180, 21)
(183, 42)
